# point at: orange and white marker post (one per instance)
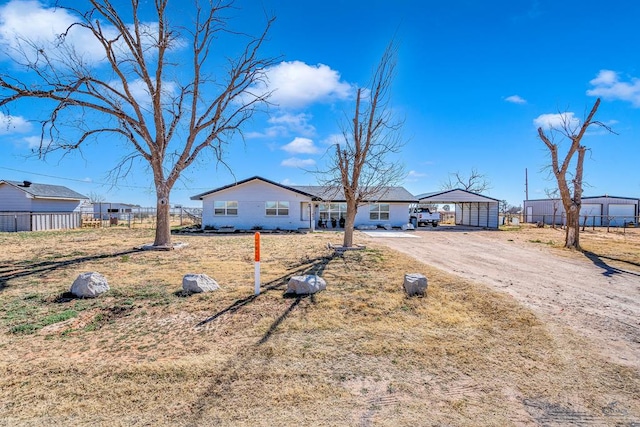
(257, 263)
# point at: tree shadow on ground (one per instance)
(220, 383)
(25, 269)
(609, 270)
(314, 266)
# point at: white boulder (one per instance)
(415, 284)
(89, 285)
(307, 284)
(409, 226)
(197, 283)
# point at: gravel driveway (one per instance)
(566, 289)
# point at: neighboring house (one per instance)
(595, 211)
(471, 209)
(108, 210)
(258, 203)
(27, 206)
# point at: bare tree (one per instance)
(96, 197)
(476, 182)
(168, 110)
(362, 166)
(554, 195)
(570, 191)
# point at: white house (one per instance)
(27, 206)
(258, 203)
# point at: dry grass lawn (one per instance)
(358, 354)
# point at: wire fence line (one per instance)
(40, 221)
(560, 219)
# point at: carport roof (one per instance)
(457, 195)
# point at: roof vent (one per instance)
(26, 183)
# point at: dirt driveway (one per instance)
(596, 299)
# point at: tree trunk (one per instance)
(572, 233)
(163, 226)
(349, 225)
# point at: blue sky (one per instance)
(475, 80)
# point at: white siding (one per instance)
(619, 215)
(251, 197)
(470, 208)
(13, 199)
(542, 211)
(591, 214)
(597, 209)
(52, 205)
(398, 215)
(477, 214)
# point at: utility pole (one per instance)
(526, 184)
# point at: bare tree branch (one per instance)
(476, 182)
(362, 166)
(134, 94)
(570, 191)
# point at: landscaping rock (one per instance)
(307, 284)
(406, 227)
(415, 284)
(387, 226)
(89, 285)
(197, 283)
(366, 227)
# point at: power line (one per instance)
(98, 183)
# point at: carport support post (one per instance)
(257, 263)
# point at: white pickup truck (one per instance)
(423, 216)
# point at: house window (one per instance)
(329, 211)
(277, 208)
(224, 208)
(379, 212)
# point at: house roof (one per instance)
(45, 191)
(336, 194)
(258, 178)
(454, 195)
(323, 193)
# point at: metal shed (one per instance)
(472, 209)
(596, 211)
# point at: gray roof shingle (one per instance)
(46, 191)
(324, 193)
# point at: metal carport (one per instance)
(472, 209)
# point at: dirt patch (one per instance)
(595, 293)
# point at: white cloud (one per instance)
(296, 84)
(515, 99)
(30, 20)
(300, 146)
(140, 92)
(295, 162)
(333, 139)
(13, 124)
(298, 123)
(609, 86)
(285, 125)
(415, 174)
(287, 181)
(32, 142)
(556, 121)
